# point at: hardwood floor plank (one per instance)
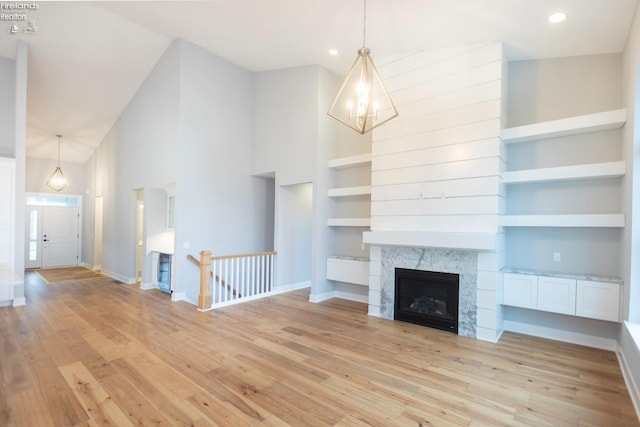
(62, 403)
(97, 403)
(96, 352)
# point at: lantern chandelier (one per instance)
(363, 102)
(57, 181)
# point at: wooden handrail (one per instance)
(217, 258)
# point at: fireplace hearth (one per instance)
(427, 298)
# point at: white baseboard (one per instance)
(292, 287)
(352, 297)
(179, 296)
(19, 302)
(316, 298)
(493, 337)
(145, 286)
(91, 267)
(629, 380)
(559, 335)
(119, 277)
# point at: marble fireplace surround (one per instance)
(385, 259)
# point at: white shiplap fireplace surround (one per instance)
(436, 186)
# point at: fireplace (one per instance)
(427, 298)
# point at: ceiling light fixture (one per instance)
(333, 52)
(57, 181)
(363, 102)
(557, 17)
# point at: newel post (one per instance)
(204, 299)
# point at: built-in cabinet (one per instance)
(342, 268)
(595, 299)
(348, 270)
(566, 292)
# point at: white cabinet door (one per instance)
(557, 295)
(520, 290)
(334, 269)
(598, 300)
(355, 271)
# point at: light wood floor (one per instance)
(95, 352)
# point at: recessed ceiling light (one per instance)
(557, 17)
(333, 52)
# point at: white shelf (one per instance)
(350, 191)
(351, 161)
(570, 126)
(349, 222)
(472, 241)
(566, 173)
(597, 220)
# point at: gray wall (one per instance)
(140, 151)
(217, 199)
(285, 124)
(7, 107)
(552, 89)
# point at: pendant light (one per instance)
(57, 181)
(363, 102)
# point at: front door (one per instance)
(53, 235)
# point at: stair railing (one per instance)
(241, 277)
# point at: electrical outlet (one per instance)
(186, 245)
(556, 257)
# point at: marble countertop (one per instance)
(577, 276)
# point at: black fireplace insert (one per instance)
(427, 298)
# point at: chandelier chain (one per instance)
(364, 24)
(59, 136)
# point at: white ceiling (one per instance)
(87, 59)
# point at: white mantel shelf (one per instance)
(470, 241)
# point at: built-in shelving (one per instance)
(351, 161)
(566, 173)
(364, 190)
(349, 222)
(595, 220)
(556, 128)
(570, 126)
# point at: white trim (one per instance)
(19, 302)
(627, 372)
(352, 297)
(119, 277)
(92, 267)
(493, 340)
(290, 287)
(145, 286)
(632, 387)
(179, 296)
(472, 241)
(559, 335)
(316, 298)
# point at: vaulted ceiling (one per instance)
(87, 59)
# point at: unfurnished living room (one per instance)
(320, 212)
